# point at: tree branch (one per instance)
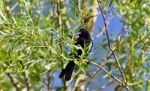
(101, 67)
(13, 81)
(97, 70)
(27, 81)
(109, 45)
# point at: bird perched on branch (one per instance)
(85, 42)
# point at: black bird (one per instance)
(84, 40)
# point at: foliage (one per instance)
(134, 49)
(34, 43)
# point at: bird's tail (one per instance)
(67, 72)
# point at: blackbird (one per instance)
(84, 40)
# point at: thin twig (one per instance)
(109, 45)
(115, 78)
(97, 70)
(107, 23)
(13, 7)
